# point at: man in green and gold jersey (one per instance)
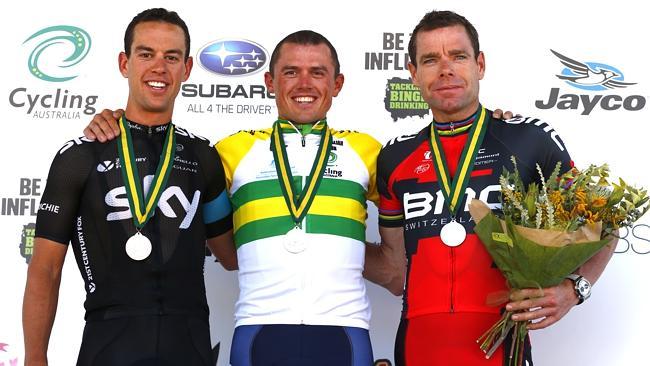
(298, 191)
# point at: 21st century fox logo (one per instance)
(592, 77)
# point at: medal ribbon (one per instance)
(142, 209)
(453, 191)
(298, 204)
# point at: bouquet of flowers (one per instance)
(548, 230)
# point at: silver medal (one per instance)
(453, 234)
(138, 247)
(295, 241)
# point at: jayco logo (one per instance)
(59, 48)
(595, 77)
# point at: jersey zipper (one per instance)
(452, 275)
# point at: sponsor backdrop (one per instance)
(579, 68)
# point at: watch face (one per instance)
(583, 287)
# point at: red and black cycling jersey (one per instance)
(456, 279)
(85, 202)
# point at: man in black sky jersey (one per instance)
(425, 182)
(137, 212)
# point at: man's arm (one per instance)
(41, 297)
(386, 263)
(104, 126)
(551, 304)
(223, 248)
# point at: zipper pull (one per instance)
(302, 139)
(451, 125)
(150, 131)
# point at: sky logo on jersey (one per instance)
(591, 77)
(59, 48)
(233, 57)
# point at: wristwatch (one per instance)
(581, 286)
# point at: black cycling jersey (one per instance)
(85, 202)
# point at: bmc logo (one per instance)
(421, 203)
(117, 198)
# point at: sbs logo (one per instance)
(233, 57)
(60, 47)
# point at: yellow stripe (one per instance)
(468, 158)
(338, 206)
(440, 163)
(129, 172)
(259, 209)
(161, 176)
(312, 183)
(283, 170)
(367, 148)
(323, 205)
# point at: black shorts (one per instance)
(300, 345)
(150, 340)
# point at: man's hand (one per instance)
(104, 125)
(498, 114)
(549, 304)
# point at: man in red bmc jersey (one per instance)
(449, 274)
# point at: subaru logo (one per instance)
(232, 57)
(59, 48)
(590, 75)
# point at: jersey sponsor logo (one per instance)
(105, 166)
(85, 261)
(485, 158)
(543, 125)
(183, 132)
(419, 204)
(400, 139)
(233, 57)
(422, 168)
(73, 142)
(116, 198)
(592, 77)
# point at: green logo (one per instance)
(63, 36)
(332, 158)
(27, 241)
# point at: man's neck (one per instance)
(461, 115)
(147, 118)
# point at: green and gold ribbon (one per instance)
(453, 191)
(298, 203)
(143, 208)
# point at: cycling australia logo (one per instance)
(60, 48)
(592, 77)
(54, 56)
(233, 57)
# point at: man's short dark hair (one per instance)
(442, 19)
(156, 15)
(305, 37)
